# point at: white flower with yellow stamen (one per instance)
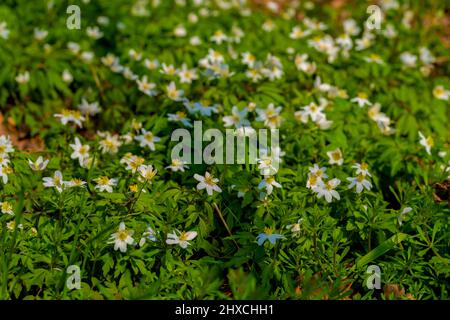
(427, 142)
(80, 151)
(147, 172)
(182, 239)
(23, 78)
(6, 208)
(207, 182)
(440, 93)
(269, 182)
(361, 99)
(362, 168)
(360, 182)
(335, 157)
(248, 59)
(146, 87)
(110, 143)
(327, 190)
(173, 93)
(219, 37)
(105, 184)
(147, 139)
(122, 238)
(177, 165)
(55, 181)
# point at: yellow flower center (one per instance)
(268, 230)
(183, 236)
(103, 180)
(336, 155)
(148, 136)
(362, 95)
(210, 180)
(181, 114)
(122, 235)
(360, 177)
(6, 206)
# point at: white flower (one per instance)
(110, 144)
(149, 234)
(173, 93)
(335, 157)
(440, 93)
(40, 34)
(248, 59)
(298, 33)
(182, 240)
(39, 164)
(67, 116)
(318, 172)
(94, 32)
(295, 228)
(151, 64)
(402, 215)
(408, 59)
(360, 182)
(146, 87)
(314, 111)
(89, 108)
(219, 37)
(80, 151)
(23, 78)
(4, 160)
(87, 56)
(147, 139)
(271, 116)
(195, 41)
(362, 168)
(6, 208)
(168, 70)
(75, 183)
(177, 165)
(327, 190)
(237, 118)
(55, 181)
(132, 162)
(136, 56)
(427, 142)
(5, 146)
(4, 172)
(67, 76)
(4, 32)
(180, 31)
(122, 238)
(147, 172)
(426, 56)
(362, 99)
(269, 182)
(105, 184)
(187, 75)
(207, 182)
(351, 27)
(181, 117)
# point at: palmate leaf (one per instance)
(381, 249)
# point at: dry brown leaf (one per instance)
(19, 140)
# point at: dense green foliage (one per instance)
(327, 254)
